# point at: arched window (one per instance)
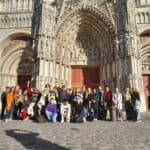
(138, 18)
(146, 17)
(142, 18)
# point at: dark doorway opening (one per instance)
(22, 81)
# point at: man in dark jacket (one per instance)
(135, 97)
(79, 111)
(3, 102)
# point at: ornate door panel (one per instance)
(85, 76)
(146, 83)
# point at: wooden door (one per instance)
(77, 77)
(146, 83)
(85, 76)
(91, 77)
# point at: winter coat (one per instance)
(51, 108)
(9, 100)
(117, 100)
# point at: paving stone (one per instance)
(97, 135)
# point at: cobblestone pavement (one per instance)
(97, 135)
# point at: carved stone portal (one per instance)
(85, 48)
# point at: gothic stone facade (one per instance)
(45, 38)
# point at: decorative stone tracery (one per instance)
(85, 47)
(145, 53)
(83, 37)
(145, 60)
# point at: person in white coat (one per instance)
(65, 111)
(117, 102)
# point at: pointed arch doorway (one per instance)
(85, 49)
(16, 65)
(145, 66)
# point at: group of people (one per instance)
(70, 105)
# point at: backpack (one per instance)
(90, 114)
(23, 114)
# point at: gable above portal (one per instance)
(70, 6)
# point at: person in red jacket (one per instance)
(29, 90)
(107, 100)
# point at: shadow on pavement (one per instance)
(30, 140)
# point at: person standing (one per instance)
(17, 101)
(29, 90)
(63, 95)
(96, 103)
(89, 102)
(9, 104)
(117, 105)
(107, 101)
(101, 108)
(135, 97)
(3, 102)
(128, 103)
(45, 93)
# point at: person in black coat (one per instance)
(136, 101)
(79, 111)
(63, 95)
(3, 102)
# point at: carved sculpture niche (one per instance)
(86, 48)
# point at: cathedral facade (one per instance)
(76, 43)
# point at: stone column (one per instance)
(45, 42)
(69, 76)
(134, 66)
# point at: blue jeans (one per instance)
(9, 113)
(85, 112)
(52, 117)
